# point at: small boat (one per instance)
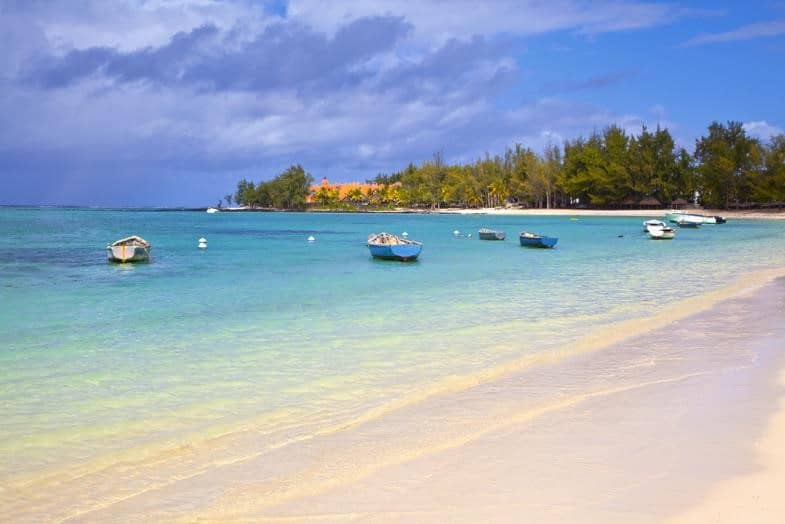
(682, 216)
(212, 210)
(685, 221)
(130, 249)
(490, 234)
(661, 232)
(652, 223)
(392, 247)
(533, 240)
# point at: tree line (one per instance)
(611, 168)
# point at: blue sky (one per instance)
(170, 102)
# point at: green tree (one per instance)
(244, 196)
(728, 162)
(770, 185)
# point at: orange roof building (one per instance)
(343, 189)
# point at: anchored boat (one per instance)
(490, 234)
(663, 232)
(129, 249)
(652, 223)
(689, 221)
(392, 247)
(534, 240)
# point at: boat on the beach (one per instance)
(661, 233)
(533, 240)
(652, 223)
(392, 247)
(490, 234)
(129, 249)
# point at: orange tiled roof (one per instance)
(344, 189)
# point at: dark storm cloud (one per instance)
(283, 55)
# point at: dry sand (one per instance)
(758, 496)
(730, 214)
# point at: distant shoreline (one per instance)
(757, 214)
(778, 214)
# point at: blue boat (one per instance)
(392, 247)
(532, 240)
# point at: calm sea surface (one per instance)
(264, 332)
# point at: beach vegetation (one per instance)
(612, 168)
(288, 190)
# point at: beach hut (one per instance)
(678, 203)
(650, 203)
(627, 203)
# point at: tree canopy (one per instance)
(611, 168)
(288, 190)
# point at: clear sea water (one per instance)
(267, 333)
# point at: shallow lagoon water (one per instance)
(268, 333)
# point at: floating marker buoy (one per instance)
(469, 235)
(311, 239)
(404, 234)
(202, 240)
(456, 232)
(202, 243)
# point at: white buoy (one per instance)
(202, 240)
(456, 232)
(202, 245)
(469, 235)
(311, 239)
(404, 234)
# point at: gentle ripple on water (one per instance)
(265, 327)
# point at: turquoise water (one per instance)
(264, 332)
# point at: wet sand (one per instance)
(642, 431)
(676, 419)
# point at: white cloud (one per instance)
(438, 21)
(762, 129)
(747, 32)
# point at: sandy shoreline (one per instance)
(752, 497)
(730, 214)
(671, 417)
(774, 214)
(638, 432)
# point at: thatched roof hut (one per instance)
(679, 203)
(650, 202)
(628, 202)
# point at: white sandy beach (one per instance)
(674, 422)
(730, 214)
(681, 422)
(677, 417)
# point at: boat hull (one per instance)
(492, 235)
(126, 254)
(661, 233)
(541, 242)
(402, 252)
(652, 223)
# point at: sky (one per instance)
(171, 102)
